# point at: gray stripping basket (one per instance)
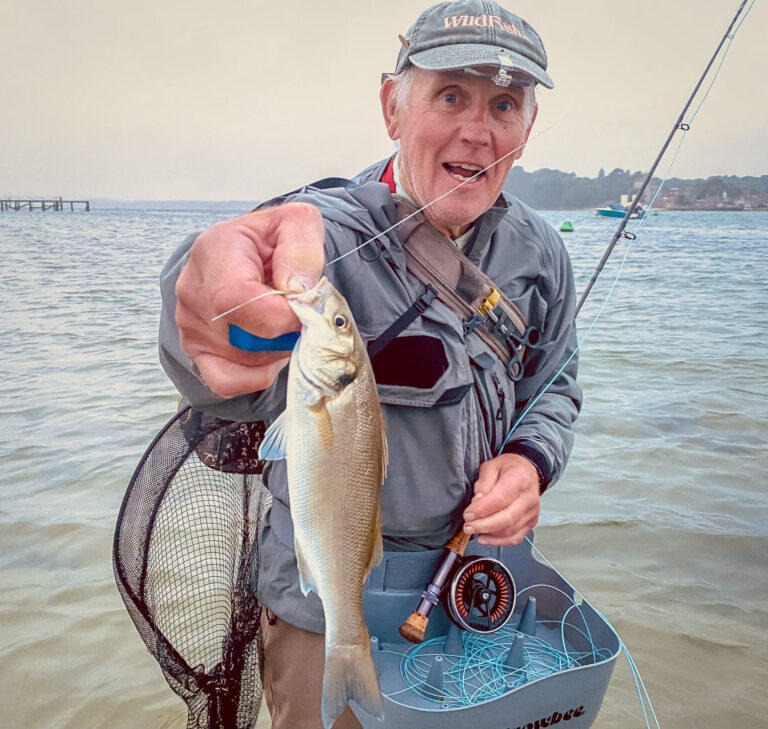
(548, 616)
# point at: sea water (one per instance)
(661, 519)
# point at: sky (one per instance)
(241, 100)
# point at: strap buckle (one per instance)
(422, 303)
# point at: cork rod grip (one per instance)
(415, 627)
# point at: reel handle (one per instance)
(414, 628)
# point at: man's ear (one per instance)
(389, 108)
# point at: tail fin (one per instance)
(350, 674)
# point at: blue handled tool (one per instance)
(251, 343)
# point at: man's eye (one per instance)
(450, 98)
(504, 106)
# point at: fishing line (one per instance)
(480, 671)
(679, 125)
(273, 292)
(620, 232)
(408, 217)
(444, 195)
(639, 684)
(643, 695)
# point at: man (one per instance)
(460, 106)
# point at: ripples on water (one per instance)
(660, 519)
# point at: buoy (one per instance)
(566, 226)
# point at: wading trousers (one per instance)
(294, 660)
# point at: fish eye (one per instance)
(340, 321)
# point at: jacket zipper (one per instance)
(491, 419)
(501, 413)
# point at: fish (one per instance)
(333, 438)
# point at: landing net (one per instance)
(186, 563)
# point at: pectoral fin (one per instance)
(272, 446)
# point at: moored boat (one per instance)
(617, 210)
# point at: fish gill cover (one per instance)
(186, 560)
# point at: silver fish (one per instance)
(332, 435)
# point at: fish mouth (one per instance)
(312, 300)
(319, 292)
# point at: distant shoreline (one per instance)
(219, 206)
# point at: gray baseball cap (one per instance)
(470, 33)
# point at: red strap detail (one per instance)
(389, 176)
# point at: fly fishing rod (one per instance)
(450, 566)
(678, 125)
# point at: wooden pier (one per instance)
(42, 203)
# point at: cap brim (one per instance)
(468, 55)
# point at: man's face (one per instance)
(454, 125)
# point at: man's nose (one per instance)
(475, 128)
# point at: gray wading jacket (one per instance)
(446, 399)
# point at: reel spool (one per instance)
(482, 594)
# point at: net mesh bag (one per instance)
(186, 562)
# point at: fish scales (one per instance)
(332, 435)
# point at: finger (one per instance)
(199, 315)
(299, 254)
(492, 502)
(230, 379)
(268, 317)
(505, 541)
(246, 302)
(505, 521)
(199, 336)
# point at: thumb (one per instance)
(299, 254)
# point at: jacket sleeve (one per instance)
(183, 372)
(549, 398)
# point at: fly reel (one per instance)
(481, 595)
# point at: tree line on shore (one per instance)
(547, 189)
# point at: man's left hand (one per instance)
(506, 505)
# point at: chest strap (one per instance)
(437, 262)
(416, 309)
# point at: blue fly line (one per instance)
(645, 700)
(633, 235)
(482, 670)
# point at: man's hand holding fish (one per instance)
(232, 262)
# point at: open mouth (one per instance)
(463, 172)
